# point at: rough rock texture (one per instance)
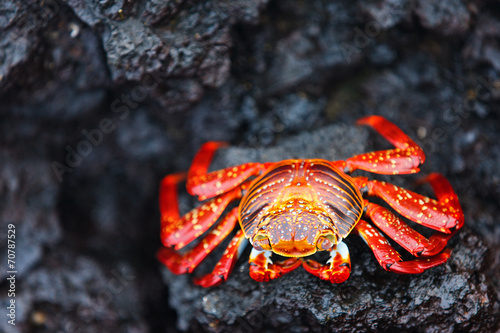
(100, 99)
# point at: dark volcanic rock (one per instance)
(93, 298)
(446, 18)
(168, 49)
(28, 193)
(67, 71)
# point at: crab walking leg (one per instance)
(390, 259)
(226, 264)
(262, 268)
(337, 268)
(204, 157)
(217, 182)
(404, 159)
(445, 193)
(178, 231)
(404, 235)
(169, 207)
(185, 263)
(206, 184)
(435, 214)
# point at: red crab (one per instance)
(296, 207)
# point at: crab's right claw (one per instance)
(262, 269)
(337, 268)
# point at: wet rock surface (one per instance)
(100, 99)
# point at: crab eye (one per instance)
(261, 243)
(325, 242)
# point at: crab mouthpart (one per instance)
(294, 248)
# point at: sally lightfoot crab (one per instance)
(295, 208)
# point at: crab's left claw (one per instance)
(262, 269)
(337, 268)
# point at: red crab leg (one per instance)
(445, 193)
(405, 158)
(169, 207)
(338, 267)
(262, 268)
(390, 259)
(187, 262)
(204, 157)
(220, 181)
(405, 236)
(226, 264)
(206, 184)
(442, 215)
(178, 231)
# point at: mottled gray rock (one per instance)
(482, 47)
(20, 27)
(94, 298)
(388, 13)
(67, 73)
(163, 47)
(332, 142)
(445, 18)
(308, 50)
(131, 45)
(28, 201)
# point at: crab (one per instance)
(297, 207)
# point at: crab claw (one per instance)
(262, 269)
(327, 272)
(337, 268)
